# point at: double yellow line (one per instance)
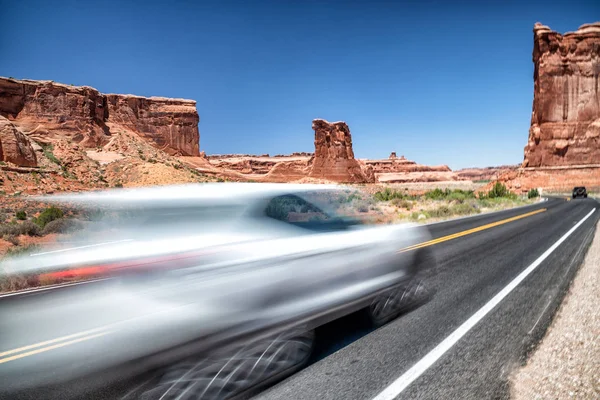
(469, 231)
(48, 345)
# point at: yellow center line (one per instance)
(56, 346)
(469, 231)
(60, 339)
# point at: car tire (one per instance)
(233, 374)
(417, 290)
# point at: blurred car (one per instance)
(215, 288)
(579, 191)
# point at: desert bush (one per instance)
(447, 194)
(533, 193)
(62, 225)
(21, 215)
(388, 194)
(441, 211)
(48, 215)
(499, 190)
(402, 203)
(29, 228)
(464, 209)
(13, 229)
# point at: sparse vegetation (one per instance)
(47, 150)
(48, 215)
(62, 225)
(533, 193)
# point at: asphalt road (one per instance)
(472, 269)
(412, 357)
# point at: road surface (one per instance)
(500, 278)
(472, 270)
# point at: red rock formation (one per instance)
(334, 157)
(14, 146)
(393, 155)
(561, 179)
(565, 123)
(47, 111)
(484, 174)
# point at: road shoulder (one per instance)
(566, 363)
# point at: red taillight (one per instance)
(171, 261)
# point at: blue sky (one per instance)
(440, 82)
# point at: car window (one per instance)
(291, 208)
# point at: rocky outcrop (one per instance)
(14, 146)
(565, 123)
(402, 165)
(484, 174)
(334, 158)
(47, 112)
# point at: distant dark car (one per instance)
(579, 192)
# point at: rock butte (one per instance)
(47, 111)
(565, 122)
(334, 157)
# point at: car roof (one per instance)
(190, 194)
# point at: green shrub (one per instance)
(401, 203)
(533, 193)
(48, 215)
(47, 150)
(388, 194)
(465, 209)
(437, 194)
(118, 185)
(498, 190)
(447, 194)
(21, 215)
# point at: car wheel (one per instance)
(236, 373)
(388, 305)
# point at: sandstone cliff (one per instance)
(334, 158)
(48, 112)
(565, 123)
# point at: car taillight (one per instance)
(138, 265)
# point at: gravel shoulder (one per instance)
(566, 363)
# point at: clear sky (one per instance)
(440, 82)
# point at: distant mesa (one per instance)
(47, 112)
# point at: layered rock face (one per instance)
(47, 111)
(14, 146)
(565, 123)
(334, 158)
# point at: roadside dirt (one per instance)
(567, 362)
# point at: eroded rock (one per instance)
(15, 147)
(48, 112)
(334, 158)
(565, 122)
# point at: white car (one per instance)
(216, 288)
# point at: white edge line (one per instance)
(49, 287)
(396, 387)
